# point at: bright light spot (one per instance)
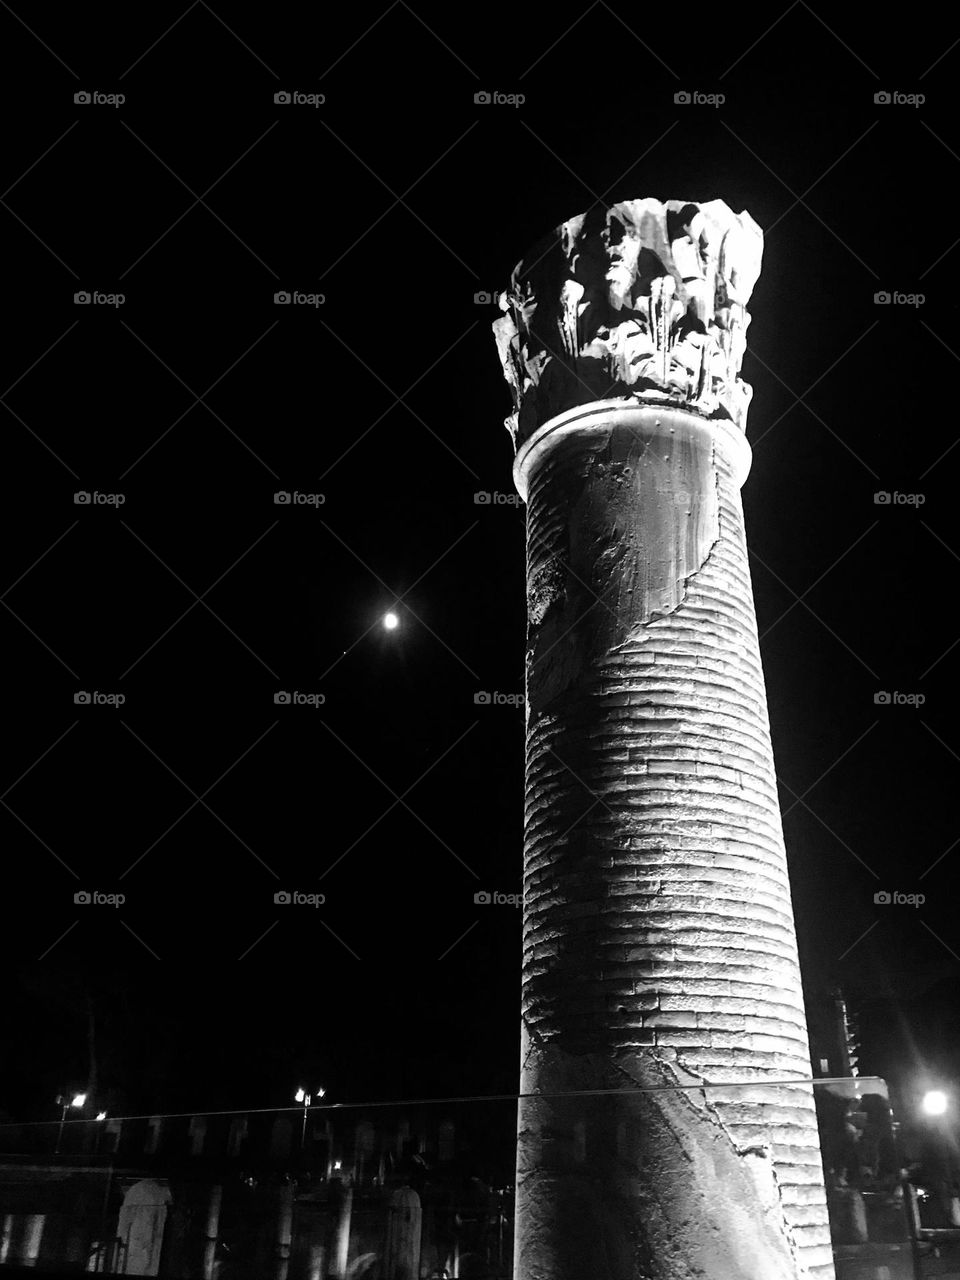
(321, 1092)
(101, 1115)
(935, 1102)
(336, 1164)
(299, 1096)
(391, 621)
(78, 1100)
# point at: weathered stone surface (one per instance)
(642, 299)
(659, 944)
(402, 1253)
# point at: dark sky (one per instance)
(198, 398)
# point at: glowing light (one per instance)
(321, 1093)
(299, 1096)
(101, 1115)
(391, 621)
(336, 1164)
(935, 1102)
(78, 1100)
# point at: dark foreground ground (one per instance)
(946, 1266)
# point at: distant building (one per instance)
(834, 1043)
(412, 1192)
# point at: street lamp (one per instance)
(306, 1098)
(101, 1116)
(78, 1100)
(934, 1102)
(936, 1106)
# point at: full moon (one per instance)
(391, 621)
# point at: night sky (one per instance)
(199, 598)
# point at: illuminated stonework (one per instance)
(642, 299)
(658, 946)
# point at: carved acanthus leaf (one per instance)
(643, 300)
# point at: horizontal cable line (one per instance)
(492, 1097)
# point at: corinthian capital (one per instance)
(641, 301)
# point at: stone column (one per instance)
(404, 1220)
(142, 1224)
(341, 1252)
(658, 945)
(6, 1237)
(33, 1225)
(283, 1238)
(211, 1234)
